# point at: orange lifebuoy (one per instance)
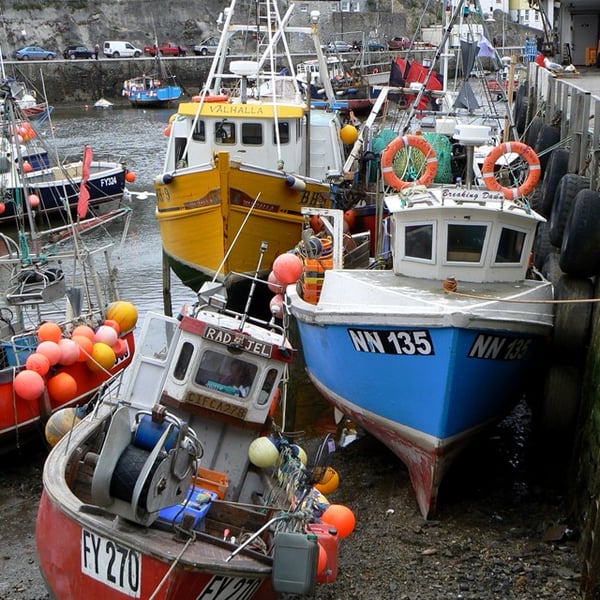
(211, 98)
(406, 141)
(524, 151)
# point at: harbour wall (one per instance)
(573, 105)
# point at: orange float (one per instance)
(524, 151)
(408, 141)
(49, 332)
(62, 388)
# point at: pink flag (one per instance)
(84, 194)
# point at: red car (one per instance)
(399, 42)
(166, 49)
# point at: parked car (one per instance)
(166, 49)
(398, 42)
(74, 51)
(375, 46)
(208, 46)
(34, 53)
(120, 49)
(338, 46)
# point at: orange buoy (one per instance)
(2, 207)
(49, 332)
(62, 388)
(340, 517)
(27, 168)
(84, 330)
(113, 324)
(329, 482)
(130, 176)
(29, 384)
(120, 347)
(85, 347)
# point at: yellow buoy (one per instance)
(263, 452)
(349, 134)
(103, 358)
(124, 313)
(60, 423)
(329, 481)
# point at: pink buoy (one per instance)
(27, 168)
(34, 200)
(51, 351)
(274, 284)
(106, 334)
(29, 384)
(84, 330)
(276, 305)
(288, 268)
(2, 207)
(69, 351)
(38, 362)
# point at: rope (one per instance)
(478, 297)
(173, 565)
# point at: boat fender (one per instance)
(295, 183)
(165, 178)
(524, 151)
(408, 141)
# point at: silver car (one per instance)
(208, 46)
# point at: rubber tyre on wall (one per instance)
(533, 130)
(541, 245)
(558, 165)
(560, 404)
(519, 116)
(551, 268)
(547, 137)
(572, 321)
(579, 253)
(569, 186)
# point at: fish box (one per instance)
(473, 134)
(212, 480)
(17, 350)
(196, 503)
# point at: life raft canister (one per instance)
(408, 141)
(524, 151)
(211, 98)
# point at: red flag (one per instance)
(84, 194)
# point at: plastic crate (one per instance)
(19, 349)
(212, 480)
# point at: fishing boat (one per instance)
(156, 90)
(177, 486)
(247, 153)
(424, 335)
(28, 170)
(26, 99)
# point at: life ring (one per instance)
(524, 151)
(211, 98)
(405, 141)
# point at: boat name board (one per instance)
(216, 405)
(392, 341)
(471, 194)
(110, 563)
(499, 347)
(229, 588)
(229, 338)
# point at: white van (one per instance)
(118, 49)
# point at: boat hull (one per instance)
(20, 419)
(106, 183)
(93, 563)
(156, 98)
(424, 381)
(216, 201)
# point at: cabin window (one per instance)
(510, 247)
(252, 134)
(225, 132)
(465, 243)
(267, 387)
(199, 133)
(183, 361)
(284, 133)
(156, 344)
(418, 241)
(225, 373)
(180, 157)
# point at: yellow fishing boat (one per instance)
(246, 154)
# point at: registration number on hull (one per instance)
(110, 563)
(409, 342)
(229, 588)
